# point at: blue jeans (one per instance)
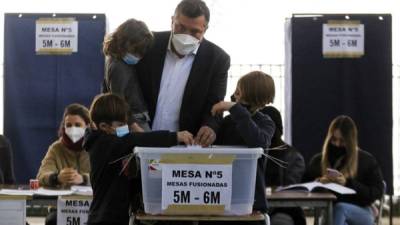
(349, 214)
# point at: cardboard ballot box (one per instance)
(198, 181)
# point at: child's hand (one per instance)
(221, 106)
(185, 137)
(136, 128)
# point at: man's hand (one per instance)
(205, 137)
(221, 106)
(185, 137)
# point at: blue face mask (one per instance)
(122, 130)
(130, 59)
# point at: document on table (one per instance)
(82, 190)
(16, 192)
(48, 192)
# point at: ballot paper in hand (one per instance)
(314, 186)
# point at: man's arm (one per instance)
(210, 124)
(217, 92)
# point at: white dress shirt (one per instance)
(173, 82)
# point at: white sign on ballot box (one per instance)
(73, 210)
(343, 39)
(196, 184)
(56, 36)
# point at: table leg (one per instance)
(316, 215)
(330, 213)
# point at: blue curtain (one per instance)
(38, 87)
(359, 87)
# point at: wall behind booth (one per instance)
(38, 87)
(323, 88)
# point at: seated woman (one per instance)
(343, 162)
(66, 163)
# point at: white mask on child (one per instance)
(122, 130)
(75, 133)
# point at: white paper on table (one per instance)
(82, 190)
(48, 192)
(16, 192)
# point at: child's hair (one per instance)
(257, 89)
(108, 108)
(74, 109)
(132, 36)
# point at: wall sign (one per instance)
(343, 39)
(56, 36)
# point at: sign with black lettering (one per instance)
(73, 211)
(343, 39)
(56, 36)
(196, 184)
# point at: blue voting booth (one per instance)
(40, 80)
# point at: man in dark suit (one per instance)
(183, 75)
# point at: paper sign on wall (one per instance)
(73, 211)
(343, 39)
(56, 36)
(198, 185)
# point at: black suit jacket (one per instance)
(206, 84)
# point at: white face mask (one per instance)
(184, 43)
(75, 133)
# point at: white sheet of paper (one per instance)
(82, 190)
(48, 192)
(16, 192)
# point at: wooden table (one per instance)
(304, 199)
